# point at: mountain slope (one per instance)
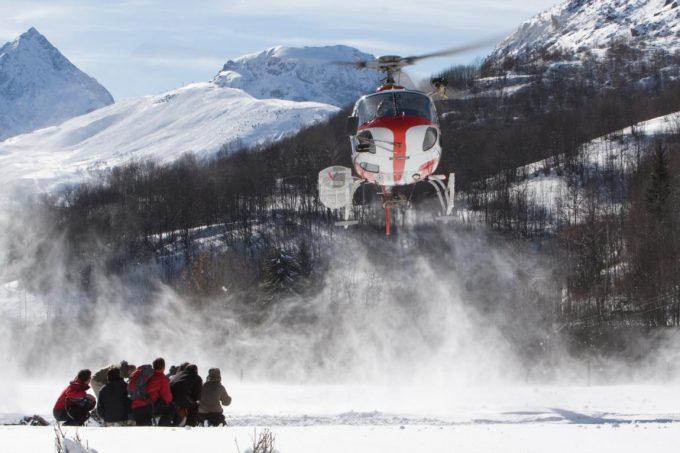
(199, 118)
(301, 74)
(582, 25)
(39, 87)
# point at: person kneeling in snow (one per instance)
(74, 404)
(149, 390)
(212, 395)
(186, 392)
(113, 405)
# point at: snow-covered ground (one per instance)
(391, 419)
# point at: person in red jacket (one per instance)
(157, 398)
(74, 404)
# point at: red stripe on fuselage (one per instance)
(399, 125)
(428, 167)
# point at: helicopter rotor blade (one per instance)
(361, 64)
(395, 63)
(453, 50)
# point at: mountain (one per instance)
(200, 118)
(581, 26)
(269, 99)
(301, 74)
(39, 87)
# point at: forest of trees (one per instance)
(249, 220)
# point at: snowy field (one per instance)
(621, 418)
(530, 438)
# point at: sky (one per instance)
(140, 47)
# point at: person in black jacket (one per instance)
(114, 405)
(186, 393)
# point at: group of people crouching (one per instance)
(144, 396)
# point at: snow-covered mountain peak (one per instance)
(33, 35)
(301, 74)
(326, 54)
(31, 47)
(26, 39)
(580, 26)
(40, 87)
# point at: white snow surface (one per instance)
(302, 74)
(617, 418)
(39, 87)
(198, 118)
(581, 25)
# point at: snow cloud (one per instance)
(424, 316)
(422, 312)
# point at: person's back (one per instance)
(113, 404)
(74, 404)
(186, 388)
(156, 400)
(213, 396)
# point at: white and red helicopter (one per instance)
(396, 142)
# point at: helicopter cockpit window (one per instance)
(413, 104)
(394, 104)
(376, 106)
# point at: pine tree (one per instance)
(280, 273)
(660, 188)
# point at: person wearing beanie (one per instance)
(113, 405)
(213, 396)
(74, 404)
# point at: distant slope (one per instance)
(199, 118)
(39, 87)
(580, 26)
(620, 151)
(301, 74)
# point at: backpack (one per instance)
(138, 382)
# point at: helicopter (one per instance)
(396, 144)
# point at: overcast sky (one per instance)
(138, 47)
